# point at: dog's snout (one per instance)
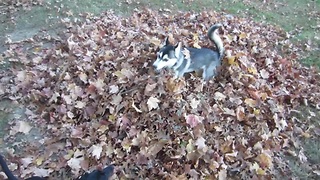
(155, 68)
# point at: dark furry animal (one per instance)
(9, 174)
(104, 174)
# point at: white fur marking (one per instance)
(216, 38)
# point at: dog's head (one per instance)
(168, 55)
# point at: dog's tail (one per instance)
(215, 38)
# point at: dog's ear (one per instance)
(177, 49)
(166, 42)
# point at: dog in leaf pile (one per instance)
(185, 60)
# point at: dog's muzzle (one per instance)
(155, 65)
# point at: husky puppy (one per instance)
(191, 59)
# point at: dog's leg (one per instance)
(9, 174)
(6, 170)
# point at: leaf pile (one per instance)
(97, 99)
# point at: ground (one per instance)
(22, 20)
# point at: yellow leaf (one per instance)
(37, 49)
(250, 102)
(126, 145)
(195, 37)
(69, 155)
(232, 60)
(156, 41)
(190, 147)
(264, 96)
(108, 54)
(196, 45)
(111, 117)
(39, 161)
(240, 54)
(196, 40)
(175, 86)
(256, 112)
(242, 35)
(306, 135)
(264, 160)
(261, 171)
(119, 74)
(252, 70)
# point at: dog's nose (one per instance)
(154, 66)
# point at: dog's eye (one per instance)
(165, 59)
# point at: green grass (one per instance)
(300, 18)
(310, 145)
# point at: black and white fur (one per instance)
(192, 59)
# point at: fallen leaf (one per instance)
(21, 126)
(192, 120)
(96, 150)
(153, 103)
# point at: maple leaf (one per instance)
(83, 77)
(96, 150)
(264, 74)
(201, 143)
(113, 89)
(153, 103)
(175, 87)
(281, 124)
(26, 161)
(80, 104)
(116, 99)
(21, 76)
(22, 127)
(67, 98)
(99, 84)
(240, 113)
(219, 96)
(222, 175)
(41, 172)
(192, 120)
(265, 160)
(75, 164)
(150, 87)
(250, 102)
(70, 115)
(194, 103)
(156, 41)
(156, 147)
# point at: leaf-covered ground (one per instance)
(97, 100)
